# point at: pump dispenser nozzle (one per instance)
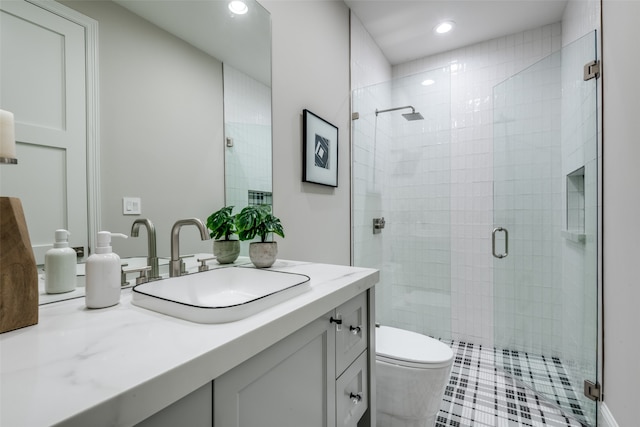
(61, 238)
(103, 245)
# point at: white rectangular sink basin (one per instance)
(220, 295)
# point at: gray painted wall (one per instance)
(621, 175)
(310, 70)
(161, 129)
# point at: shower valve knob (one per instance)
(355, 398)
(378, 224)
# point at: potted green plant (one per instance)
(255, 221)
(222, 226)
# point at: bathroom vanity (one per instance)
(305, 361)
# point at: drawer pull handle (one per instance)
(355, 330)
(355, 398)
(338, 321)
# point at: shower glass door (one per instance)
(545, 240)
(401, 172)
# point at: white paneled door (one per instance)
(43, 82)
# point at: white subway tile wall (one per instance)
(465, 187)
(475, 70)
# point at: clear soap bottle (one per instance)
(103, 274)
(60, 265)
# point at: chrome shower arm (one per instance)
(413, 110)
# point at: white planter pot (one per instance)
(226, 251)
(263, 254)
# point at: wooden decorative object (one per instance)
(18, 272)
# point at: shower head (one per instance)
(413, 115)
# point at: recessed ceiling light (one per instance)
(238, 7)
(444, 27)
(428, 82)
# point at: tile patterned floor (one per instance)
(479, 395)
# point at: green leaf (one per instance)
(257, 220)
(222, 223)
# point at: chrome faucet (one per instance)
(152, 256)
(176, 264)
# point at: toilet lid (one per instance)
(400, 346)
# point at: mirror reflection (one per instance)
(177, 80)
(247, 110)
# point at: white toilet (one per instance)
(412, 372)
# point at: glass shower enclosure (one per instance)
(409, 211)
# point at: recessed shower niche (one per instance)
(575, 206)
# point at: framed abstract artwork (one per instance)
(320, 150)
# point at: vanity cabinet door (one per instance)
(289, 384)
(352, 333)
(193, 410)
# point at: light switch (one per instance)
(131, 206)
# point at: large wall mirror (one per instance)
(184, 115)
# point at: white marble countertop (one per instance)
(117, 366)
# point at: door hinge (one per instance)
(591, 70)
(355, 116)
(592, 390)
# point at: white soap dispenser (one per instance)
(103, 274)
(60, 265)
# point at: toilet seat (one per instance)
(411, 349)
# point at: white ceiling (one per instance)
(242, 41)
(403, 29)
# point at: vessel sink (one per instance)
(220, 295)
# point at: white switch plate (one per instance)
(131, 206)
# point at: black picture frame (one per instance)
(320, 150)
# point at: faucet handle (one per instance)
(183, 267)
(143, 278)
(123, 275)
(203, 263)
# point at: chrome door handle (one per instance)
(506, 242)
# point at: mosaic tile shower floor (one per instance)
(480, 395)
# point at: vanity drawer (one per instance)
(352, 332)
(352, 393)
